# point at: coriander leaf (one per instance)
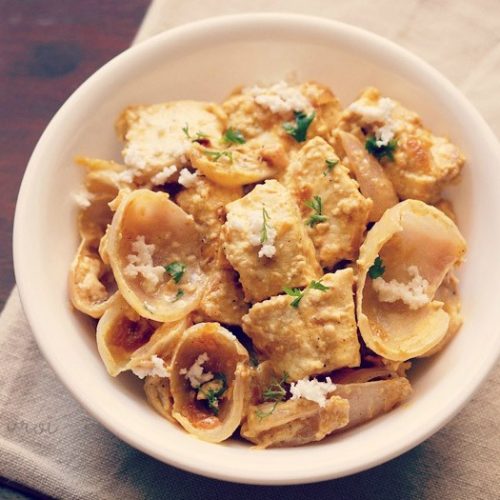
(329, 166)
(217, 155)
(276, 392)
(176, 270)
(298, 130)
(380, 152)
(212, 391)
(316, 219)
(315, 204)
(199, 137)
(265, 222)
(213, 402)
(294, 292)
(178, 295)
(233, 136)
(377, 269)
(317, 285)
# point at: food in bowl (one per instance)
(272, 263)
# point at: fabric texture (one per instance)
(48, 442)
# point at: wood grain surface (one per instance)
(47, 49)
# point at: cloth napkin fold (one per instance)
(49, 444)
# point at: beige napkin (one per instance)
(50, 445)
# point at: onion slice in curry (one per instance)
(411, 236)
(209, 382)
(153, 247)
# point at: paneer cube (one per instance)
(315, 174)
(258, 110)
(161, 135)
(316, 336)
(266, 242)
(418, 163)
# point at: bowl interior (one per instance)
(206, 61)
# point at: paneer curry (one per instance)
(270, 265)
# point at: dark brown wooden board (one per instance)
(47, 49)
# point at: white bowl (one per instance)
(205, 60)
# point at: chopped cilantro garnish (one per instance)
(329, 166)
(176, 270)
(294, 292)
(178, 295)
(274, 392)
(233, 136)
(198, 137)
(265, 222)
(377, 269)
(315, 204)
(299, 294)
(212, 391)
(217, 155)
(316, 219)
(317, 285)
(298, 130)
(380, 152)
